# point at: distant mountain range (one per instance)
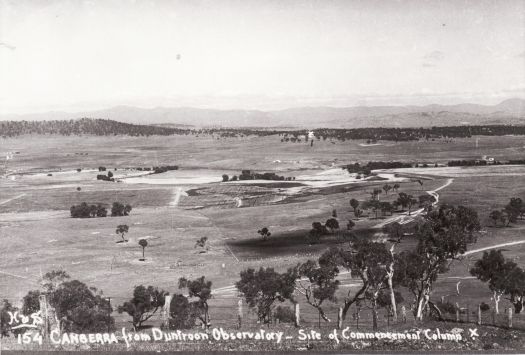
(510, 111)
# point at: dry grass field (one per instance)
(38, 234)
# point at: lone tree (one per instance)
(367, 260)
(495, 270)
(396, 187)
(495, 216)
(321, 285)
(201, 243)
(354, 204)
(375, 194)
(199, 289)
(122, 229)
(387, 188)
(332, 224)
(506, 218)
(411, 202)
(143, 243)
(442, 238)
(516, 208)
(265, 233)
(262, 288)
(317, 231)
(144, 304)
(78, 308)
(403, 200)
(374, 205)
(225, 178)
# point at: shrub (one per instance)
(484, 307)
(86, 211)
(284, 314)
(447, 307)
(182, 316)
(5, 318)
(119, 209)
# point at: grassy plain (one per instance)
(38, 235)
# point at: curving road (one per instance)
(493, 247)
(405, 218)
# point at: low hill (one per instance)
(511, 111)
(82, 126)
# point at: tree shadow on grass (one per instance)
(288, 243)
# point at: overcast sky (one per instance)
(77, 55)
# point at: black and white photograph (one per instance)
(233, 176)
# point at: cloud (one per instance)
(8, 46)
(521, 55)
(432, 59)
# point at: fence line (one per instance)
(233, 312)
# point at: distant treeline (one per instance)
(483, 162)
(104, 127)
(357, 168)
(249, 175)
(159, 169)
(411, 134)
(84, 210)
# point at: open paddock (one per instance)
(39, 235)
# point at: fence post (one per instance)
(479, 314)
(340, 318)
(43, 308)
(494, 317)
(297, 314)
(457, 313)
(509, 313)
(166, 311)
(239, 312)
(404, 313)
(468, 313)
